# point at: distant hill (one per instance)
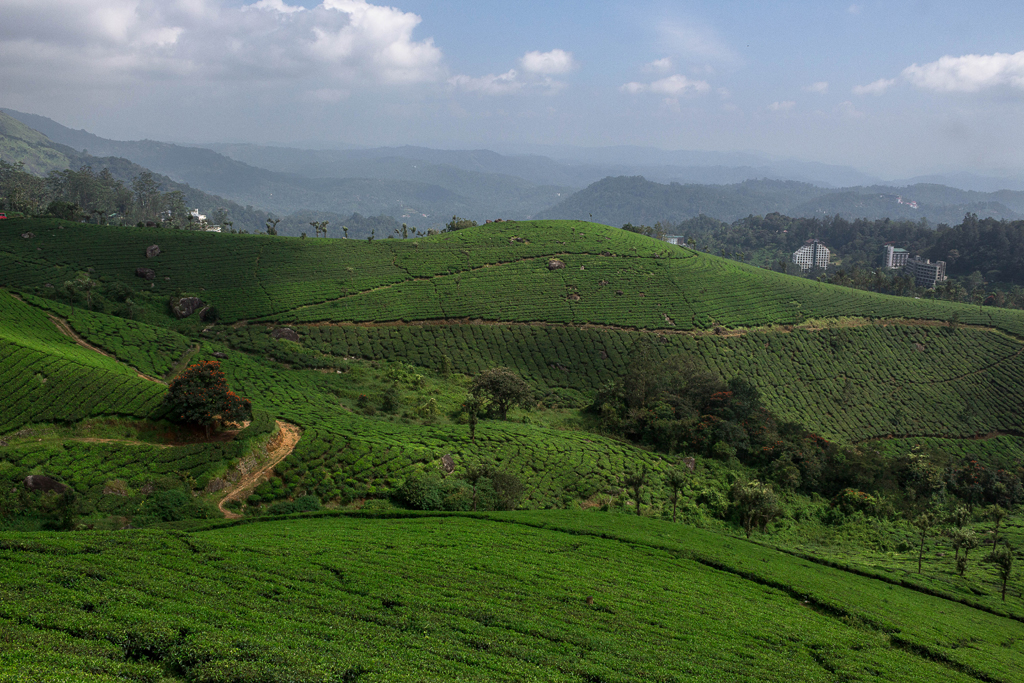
(620, 200)
(425, 195)
(39, 154)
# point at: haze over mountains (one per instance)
(614, 185)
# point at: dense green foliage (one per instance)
(453, 598)
(199, 395)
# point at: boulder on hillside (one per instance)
(285, 333)
(27, 235)
(147, 273)
(185, 306)
(555, 264)
(41, 482)
(152, 251)
(448, 463)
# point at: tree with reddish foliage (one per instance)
(200, 396)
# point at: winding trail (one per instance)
(65, 327)
(284, 444)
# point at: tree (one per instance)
(1003, 557)
(502, 388)
(84, 284)
(675, 480)
(757, 504)
(272, 225)
(636, 481)
(996, 515)
(320, 227)
(457, 223)
(473, 406)
(392, 399)
(200, 396)
(968, 542)
(924, 523)
(473, 476)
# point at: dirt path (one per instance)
(66, 329)
(284, 444)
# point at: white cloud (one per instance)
(695, 42)
(848, 110)
(538, 67)
(501, 84)
(674, 85)
(123, 43)
(548, 63)
(969, 73)
(781, 106)
(663, 64)
(875, 88)
(275, 5)
(821, 87)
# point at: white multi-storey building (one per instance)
(895, 257)
(813, 254)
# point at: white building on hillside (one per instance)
(813, 254)
(895, 257)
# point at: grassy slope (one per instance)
(463, 274)
(449, 598)
(849, 383)
(47, 377)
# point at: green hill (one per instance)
(38, 153)
(370, 347)
(851, 365)
(512, 597)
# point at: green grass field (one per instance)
(498, 597)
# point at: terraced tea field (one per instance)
(502, 597)
(609, 277)
(48, 377)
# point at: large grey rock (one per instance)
(147, 273)
(41, 482)
(152, 251)
(285, 333)
(556, 264)
(186, 306)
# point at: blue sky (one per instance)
(893, 88)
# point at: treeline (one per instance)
(118, 193)
(984, 257)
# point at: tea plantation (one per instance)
(371, 347)
(503, 597)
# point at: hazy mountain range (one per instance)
(614, 185)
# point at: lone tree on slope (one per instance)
(503, 388)
(200, 396)
(636, 481)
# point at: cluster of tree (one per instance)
(200, 396)
(964, 539)
(118, 193)
(676, 406)
(481, 487)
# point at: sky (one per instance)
(890, 88)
